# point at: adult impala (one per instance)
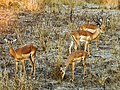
(101, 24)
(73, 58)
(27, 52)
(84, 36)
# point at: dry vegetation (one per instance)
(46, 23)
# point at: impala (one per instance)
(101, 24)
(73, 58)
(27, 52)
(84, 36)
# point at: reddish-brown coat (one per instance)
(27, 52)
(90, 26)
(72, 59)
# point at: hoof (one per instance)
(71, 80)
(97, 49)
(29, 77)
(89, 55)
(85, 76)
(34, 78)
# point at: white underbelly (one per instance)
(83, 38)
(91, 30)
(77, 59)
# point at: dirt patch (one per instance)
(50, 33)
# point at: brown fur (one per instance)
(21, 54)
(90, 26)
(80, 32)
(25, 49)
(72, 59)
(87, 36)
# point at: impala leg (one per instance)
(34, 66)
(23, 67)
(87, 47)
(16, 70)
(70, 47)
(97, 40)
(84, 67)
(73, 67)
(76, 44)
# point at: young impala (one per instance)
(101, 23)
(84, 36)
(73, 58)
(27, 52)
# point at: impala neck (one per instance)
(96, 33)
(104, 21)
(12, 51)
(103, 26)
(69, 61)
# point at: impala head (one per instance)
(62, 71)
(102, 19)
(10, 42)
(102, 28)
(104, 23)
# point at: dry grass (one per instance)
(52, 39)
(9, 8)
(17, 83)
(110, 3)
(29, 5)
(35, 5)
(106, 3)
(7, 18)
(98, 75)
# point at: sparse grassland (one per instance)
(49, 27)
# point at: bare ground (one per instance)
(50, 33)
